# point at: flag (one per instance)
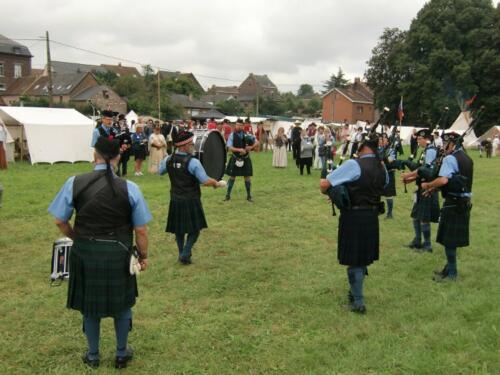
(401, 114)
(469, 102)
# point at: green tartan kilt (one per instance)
(99, 280)
(246, 170)
(185, 216)
(426, 209)
(453, 229)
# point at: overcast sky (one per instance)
(291, 41)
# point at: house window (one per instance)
(18, 70)
(359, 109)
(2, 86)
(1, 70)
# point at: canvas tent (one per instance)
(129, 117)
(50, 134)
(460, 125)
(9, 147)
(491, 133)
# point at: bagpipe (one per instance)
(339, 195)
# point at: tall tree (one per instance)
(305, 89)
(450, 53)
(337, 80)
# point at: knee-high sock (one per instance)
(248, 185)
(418, 231)
(390, 205)
(179, 238)
(356, 276)
(426, 231)
(190, 241)
(123, 324)
(230, 185)
(92, 328)
(451, 256)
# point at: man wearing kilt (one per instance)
(108, 212)
(425, 208)
(240, 164)
(185, 213)
(389, 157)
(358, 233)
(455, 181)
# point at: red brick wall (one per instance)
(336, 108)
(8, 66)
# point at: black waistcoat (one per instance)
(460, 182)
(100, 213)
(239, 142)
(366, 191)
(183, 184)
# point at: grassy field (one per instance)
(265, 294)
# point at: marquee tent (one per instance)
(9, 147)
(129, 117)
(50, 134)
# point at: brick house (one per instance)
(189, 76)
(191, 106)
(224, 90)
(257, 84)
(101, 97)
(354, 103)
(15, 62)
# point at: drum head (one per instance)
(213, 154)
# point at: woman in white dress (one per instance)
(279, 149)
(319, 143)
(157, 150)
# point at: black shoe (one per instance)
(389, 217)
(121, 362)
(356, 309)
(185, 261)
(414, 245)
(442, 273)
(250, 199)
(227, 198)
(444, 278)
(94, 363)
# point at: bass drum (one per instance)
(210, 149)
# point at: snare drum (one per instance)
(60, 258)
(210, 149)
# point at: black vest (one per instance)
(112, 132)
(460, 182)
(239, 142)
(183, 184)
(366, 191)
(100, 213)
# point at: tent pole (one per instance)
(22, 143)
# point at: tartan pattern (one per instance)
(358, 237)
(453, 229)
(185, 216)
(232, 170)
(390, 189)
(426, 209)
(99, 282)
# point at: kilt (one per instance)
(100, 284)
(426, 209)
(185, 216)
(453, 229)
(246, 170)
(390, 189)
(358, 237)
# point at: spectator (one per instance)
(157, 149)
(279, 151)
(140, 148)
(306, 153)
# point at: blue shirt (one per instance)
(194, 167)
(449, 168)
(349, 172)
(96, 134)
(240, 134)
(62, 205)
(430, 155)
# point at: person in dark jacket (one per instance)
(358, 231)
(109, 211)
(186, 217)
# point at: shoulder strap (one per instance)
(88, 193)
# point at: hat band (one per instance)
(184, 142)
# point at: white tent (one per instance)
(129, 117)
(491, 133)
(460, 125)
(51, 134)
(9, 146)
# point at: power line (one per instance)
(144, 64)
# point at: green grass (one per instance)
(265, 294)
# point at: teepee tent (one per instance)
(460, 125)
(491, 133)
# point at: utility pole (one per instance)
(159, 102)
(257, 103)
(49, 70)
